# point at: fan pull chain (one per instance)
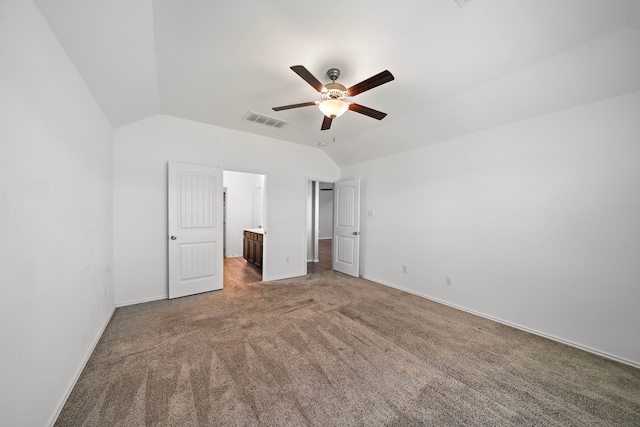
(334, 133)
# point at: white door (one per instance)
(195, 229)
(346, 228)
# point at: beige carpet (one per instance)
(331, 350)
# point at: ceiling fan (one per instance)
(334, 95)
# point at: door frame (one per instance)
(225, 232)
(314, 225)
(265, 219)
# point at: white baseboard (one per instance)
(67, 393)
(140, 301)
(325, 238)
(234, 256)
(513, 325)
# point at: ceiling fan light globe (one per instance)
(333, 108)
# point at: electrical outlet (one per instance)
(404, 268)
(370, 212)
(447, 280)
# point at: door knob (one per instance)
(173, 237)
(355, 233)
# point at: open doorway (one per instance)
(319, 226)
(244, 227)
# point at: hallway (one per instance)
(324, 252)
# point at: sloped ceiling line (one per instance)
(212, 62)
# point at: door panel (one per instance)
(344, 249)
(197, 260)
(346, 233)
(195, 229)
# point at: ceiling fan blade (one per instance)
(308, 77)
(367, 111)
(326, 123)
(288, 107)
(370, 83)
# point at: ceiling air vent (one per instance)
(264, 119)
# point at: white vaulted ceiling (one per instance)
(457, 70)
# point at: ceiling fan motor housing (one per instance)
(334, 90)
(333, 74)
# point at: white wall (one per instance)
(239, 187)
(537, 223)
(141, 152)
(56, 252)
